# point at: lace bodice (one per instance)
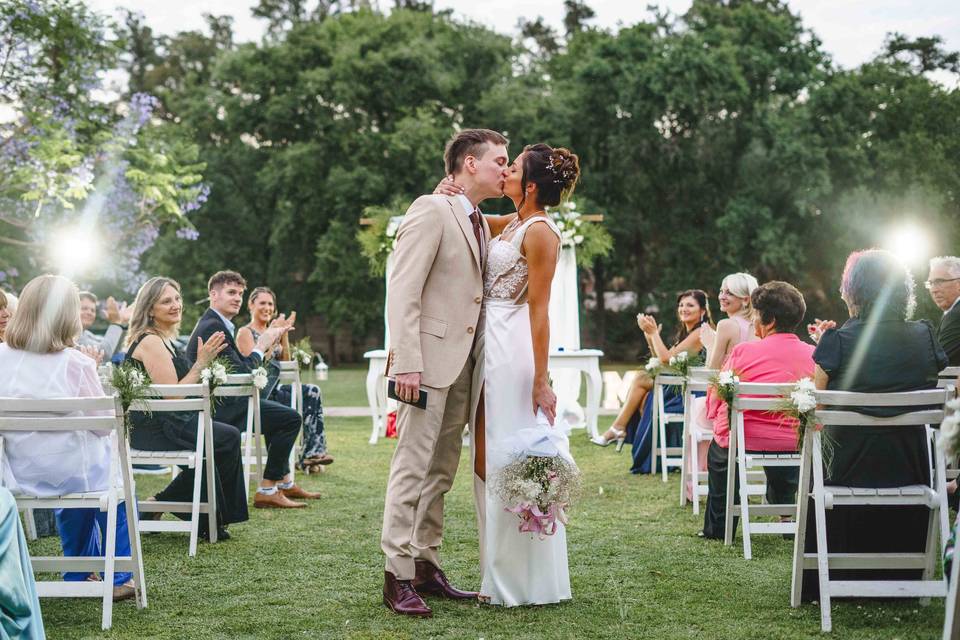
(506, 273)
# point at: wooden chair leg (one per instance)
(731, 488)
(800, 539)
(823, 551)
(109, 560)
(744, 490)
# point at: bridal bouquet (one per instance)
(539, 484)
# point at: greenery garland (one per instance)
(590, 239)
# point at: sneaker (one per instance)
(151, 469)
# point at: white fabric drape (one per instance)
(565, 335)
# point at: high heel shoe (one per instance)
(618, 438)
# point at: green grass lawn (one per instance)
(637, 568)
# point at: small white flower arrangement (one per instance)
(260, 378)
(801, 405)
(130, 384)
(303, 353)
(214, 375)
(653, 366)
(950, 428)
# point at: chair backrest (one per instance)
(699, 378)
(61, 414)
(289, 371)
(288, 365)
(948, 377)
(928, 402)
(237, 385)
(760, 396)
(174, 397)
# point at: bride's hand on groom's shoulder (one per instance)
(545, 399)
(447, 187)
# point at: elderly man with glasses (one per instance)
(943, 283)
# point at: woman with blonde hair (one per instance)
(5, 313)
(157, 313)
(737, 327)
(39, 360)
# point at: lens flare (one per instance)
(74, 251)
(910, 243)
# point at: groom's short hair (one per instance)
(469, 142)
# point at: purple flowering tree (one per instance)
(80, 172)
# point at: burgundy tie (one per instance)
(477, 230)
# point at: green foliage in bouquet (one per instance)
(590, 239)
(378, 239)
(303, 353)
(130, 384)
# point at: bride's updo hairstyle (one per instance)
(555, 171)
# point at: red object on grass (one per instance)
(392, 424)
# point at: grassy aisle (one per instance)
(638, 571)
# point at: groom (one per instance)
(434, 297)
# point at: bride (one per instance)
(521, 568)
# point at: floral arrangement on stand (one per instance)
(590, 239)
(539, 490)
(130, 384)
(379, 238)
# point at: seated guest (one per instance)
(5, 313)
(779, 356)
(944, 286)
(279, 424)
(117, 315)
(737, 327)
(692, 313)
(156, 319)
(19, 605)
(878, 350)
(262, 304)
(38, 361)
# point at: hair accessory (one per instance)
(562, 175)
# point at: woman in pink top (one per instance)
(779, 356)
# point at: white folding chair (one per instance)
(699, 382)
(18, 414)
(748, 467)
(826, 497)
(240, 385)
(948, 377)
(290, 374)
(183, 397)
(669, 456)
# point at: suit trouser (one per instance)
(782, 485)
(279, 425)
(421, 473)
(83, 532)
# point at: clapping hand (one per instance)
(447, 187)
(647, 324)
(208, 351)
(817, 328)
(91, 352)
(117, 313)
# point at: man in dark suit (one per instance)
(279, 423)
(944, 286)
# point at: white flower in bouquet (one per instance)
(672, 361)
(806, 385)
(219, 373)
(259, 378)
(530, 489)
(653, 364)
(727, 378)
(206, 375)
(803, 401)
(305, 358)
(953, 405)
(950, 433)
(682, 356)
(135, 377)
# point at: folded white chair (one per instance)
(290, 374)
(669, 456)
(183, 397)
(240, 385)
(826, 497)
(42, 415)
(690, 464)
(746, 465)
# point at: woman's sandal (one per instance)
(151, 515)
(618, 437)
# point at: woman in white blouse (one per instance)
(38, 360)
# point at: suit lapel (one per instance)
(467, 228)
(215, 317)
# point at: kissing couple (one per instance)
(467, 311)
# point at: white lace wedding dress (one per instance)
(517, 568)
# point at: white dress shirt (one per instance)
(52, 463)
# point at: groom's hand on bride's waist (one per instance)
(408, 386)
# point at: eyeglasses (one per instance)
(939, 282)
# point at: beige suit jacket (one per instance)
(435, 291)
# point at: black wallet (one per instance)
(421, 403)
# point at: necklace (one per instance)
(524, 219)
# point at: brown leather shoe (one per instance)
(296, 491)
(400, 597)
(275, 501)
(323, 458)
(431, 580)
(126, 591)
